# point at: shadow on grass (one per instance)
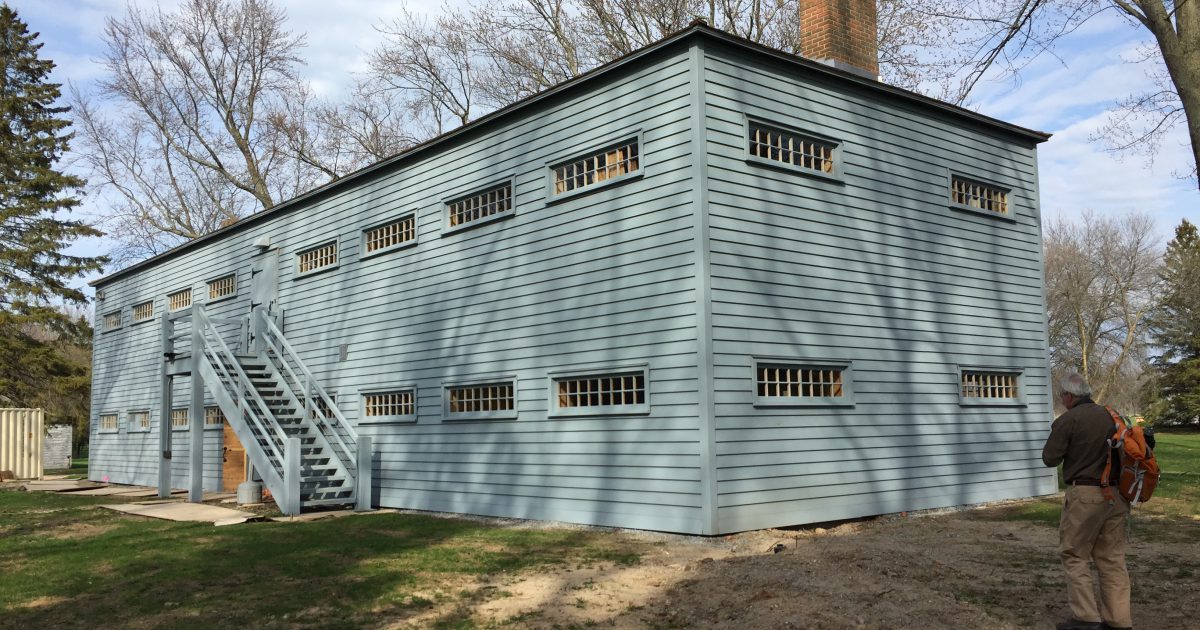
(59, 571)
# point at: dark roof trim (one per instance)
(697, 28)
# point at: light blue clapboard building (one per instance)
(706, 288)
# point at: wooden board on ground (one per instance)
(177, 511)
(71, 485)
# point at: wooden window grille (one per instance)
(483, 397)
(112, 321)
(213, 417)
(990, 385)
(975, 195)
(143, 311)
(596, 168)
(608, 390)
(394, 233)
(139, 419)
(398, 403)
(222, 287)
(108, 422)
(319, 257)
(488, 203)
(790, 381)
(179, 417)
(179, 300)
(790, 148)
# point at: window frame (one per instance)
(363, 418)
(208, 299)
(120, 313)
(952, 174)
(132, 428)
(836, 175)
(100, 422)
(337, 244)
(599, 371)
(636, 135)
(191, 299)
(845, 365)
(469, 416)
(171, 419)
(363, 254)
(217, 426)
(134, 321)
(1018, 401)
(510, 180)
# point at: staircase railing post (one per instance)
(291, 477)
(196, 413)
(362, 480)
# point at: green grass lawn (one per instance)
(79, 467)
(66, 563)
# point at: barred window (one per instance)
(394, 403)
(143, 311)
(224, 286)
(791, 148)
(491, 202)
(112, 321)
(621, 390)
(791, 381)
(213, 417)
(390, 235)
(990, 385)
(596, 168)
(480, 398)
(139, 420)
(964, 192)
(108, 422)
(179, 418)
(320, 408)
(179, 300)
(318, 257)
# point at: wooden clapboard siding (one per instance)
(694, 267)
(598, 279)
(876, 269)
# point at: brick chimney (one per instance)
(841, 33)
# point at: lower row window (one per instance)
(789, 384)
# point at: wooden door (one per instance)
(236, 464)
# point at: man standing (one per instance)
(1092, 527)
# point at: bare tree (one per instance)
(1006, 35)
(1101, 284)
(189, 144)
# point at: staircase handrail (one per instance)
(285, 351)
(270, 429)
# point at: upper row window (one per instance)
(179, 300)
(794, 149)
(802, 384)
(390, 235)
(319, 257)
(143, 311)
(490, 203)
(224, 286)
(604, 165)
(973, 195)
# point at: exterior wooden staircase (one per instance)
(296, 438)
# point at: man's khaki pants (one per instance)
(1093, 529)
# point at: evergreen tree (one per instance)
(1176, 326)
(34, 271)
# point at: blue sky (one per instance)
(1065, 94)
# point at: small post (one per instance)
(196, 412)
(362, 483)
(165, 382)
(291, 477)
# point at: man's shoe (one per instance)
(1075, 624)
(1104, 626)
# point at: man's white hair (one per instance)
(1074, 384)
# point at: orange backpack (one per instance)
(1138, 469)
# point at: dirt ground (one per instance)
(953, 569)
